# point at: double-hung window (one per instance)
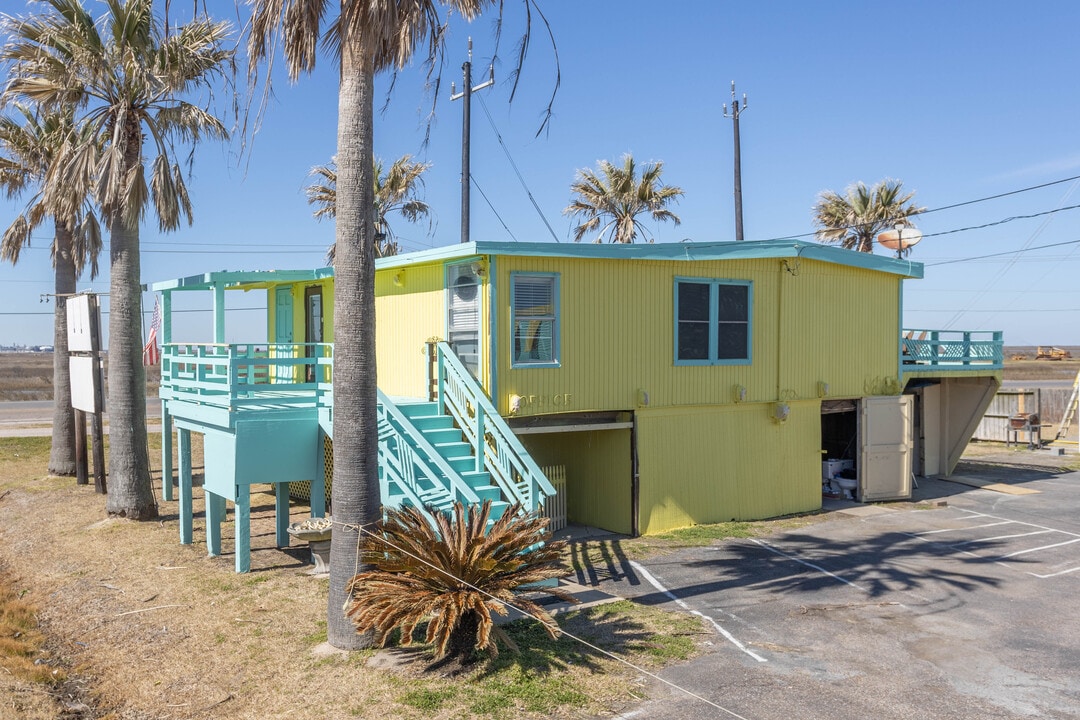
(534, 319)
(712, 321)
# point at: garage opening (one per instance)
(839, 447)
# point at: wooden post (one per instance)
(82, 470)
(98, 439)
(183, 438)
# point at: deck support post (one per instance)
(184, 448)
(281, 513)
(166, 453)
(215, 514)
(318, 481)
(242, 521)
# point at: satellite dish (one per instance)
(900, 239)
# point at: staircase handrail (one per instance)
(505, 456)
(424, 458)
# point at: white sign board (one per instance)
(83, 317)
(86, 390)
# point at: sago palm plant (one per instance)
(453, 573)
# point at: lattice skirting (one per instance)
(302, 490)
(555, 505)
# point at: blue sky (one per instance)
(960, 100)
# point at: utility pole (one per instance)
(736, 111)
(467, 89)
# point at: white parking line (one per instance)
(656, 584)
(972, 527)
(1004, 537)
(770, 548)
(1039, 530)
(1041, 547)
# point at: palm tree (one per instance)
(611, 200)
(855, 218)
(367, 37)
(395, 191)
(30, 148)
(126, 76)
(454, 573)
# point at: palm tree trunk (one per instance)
(62, 454)
(129, 490)
(355, 495)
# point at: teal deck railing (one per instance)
(497, 449)
(237, 375)
(409, 461)
(951, 349)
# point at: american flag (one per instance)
(151, 354)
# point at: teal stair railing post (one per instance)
(967, 348)
(505, 459)
(481, 446)
(998, 349)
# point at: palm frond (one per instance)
(619, 195)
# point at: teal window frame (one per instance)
(554, 318)
(714, 312)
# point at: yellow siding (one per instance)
(714, 464)
(813, 323)
(407, 314)
(597, 474)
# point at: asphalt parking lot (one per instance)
(962, 611)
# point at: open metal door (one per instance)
(885, 448)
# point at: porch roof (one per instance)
(241, 279)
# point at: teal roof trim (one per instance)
(683, 251)
(239, 278)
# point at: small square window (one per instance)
(712, 321)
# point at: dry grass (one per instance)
(156, 630)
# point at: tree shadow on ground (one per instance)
(799, 565)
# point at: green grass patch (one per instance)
(429, 699)
(706, 534)
(319, 636)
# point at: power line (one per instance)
(1008, 252)
(520, 177)
(496, 212)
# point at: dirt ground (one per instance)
(139, 627)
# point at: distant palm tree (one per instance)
(612, 199)
(395, 191)
(454, 573)
(32, 147)
(855, 218)
(126, 76)
(365, 37)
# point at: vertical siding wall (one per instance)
(406, 316)
(812, 323)
(597, 474)
(714, 464)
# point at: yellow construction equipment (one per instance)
(1052, 353)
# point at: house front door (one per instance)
(313, 326)
(283, 332)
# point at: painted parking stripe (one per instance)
(1063, 572)
(820, 569)
(1041, 547)
(959, 529)
(1020, 522)
(1004, 537)
(640, 570)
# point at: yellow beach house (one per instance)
(635, 388)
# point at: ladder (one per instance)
(1070, 410)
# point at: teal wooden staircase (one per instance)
(456, 448)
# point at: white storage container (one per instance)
(832, 468)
